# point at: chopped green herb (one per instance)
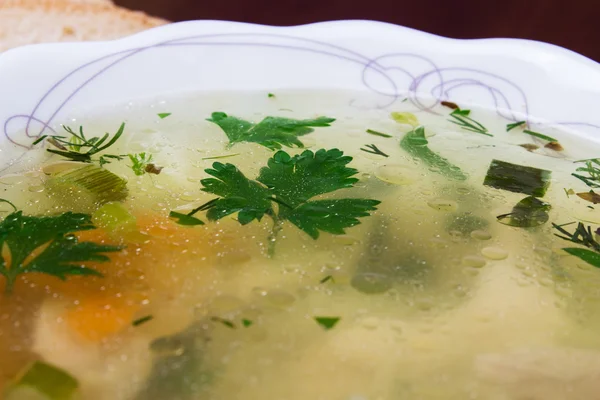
(462, 119)
(581, 235)
(376, 133)
(569, 192)
(327, 322)
(591, 168)
(48, 381)
(163, 115)
(64, 255)
(224, 322)
(142, 320)
(539, 135)
(405, 118)
(270, 95)
(415, 143)
(290, 183)
(517, 178)
(327, 279)
(591, 207)
(142, 163)
(527, 213)
(590, 196)
(271, 132)
(88, 185)
(246, 323)
(371, 148)
(510, 127)
(80, 148)
(220, 157)
(589, 256)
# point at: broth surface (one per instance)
(433, 297)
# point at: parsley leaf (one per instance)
(62, 255)
(296, 179)
(331, 216)
(238, 194)
(163, 115)
(284, 189)
(271, 132)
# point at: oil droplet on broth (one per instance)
(494, 253)
(397, 174)
(481, 235)
(474, 261)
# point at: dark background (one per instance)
(574, 24)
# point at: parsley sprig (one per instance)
(48, 245)
(78, 147)
(285, 191)
(271, 132)
(461, 118)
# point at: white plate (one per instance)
(42, 84)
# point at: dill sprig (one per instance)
(373, 150)
(591, 168)
(462, 119)
(78, 147)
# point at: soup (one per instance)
(300, 245)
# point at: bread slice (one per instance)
(38, 21)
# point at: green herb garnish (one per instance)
(582, 236)
(327, 279)
(224, 322)
(220, 157)
(48, 381)
(415, 143)
(539, 135)
(517, 178)
(80, 148)
(142, 320)
(270, 95)
(376, 133)
(271, 132)
(510, 127)
(141, 163)
(283, 191)
(462, 119)
(405, 118)
(246, 323)
(62, 255)
(163, 115)
(371, 148)
(527, 213)
(327, 322)
(591, 168)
